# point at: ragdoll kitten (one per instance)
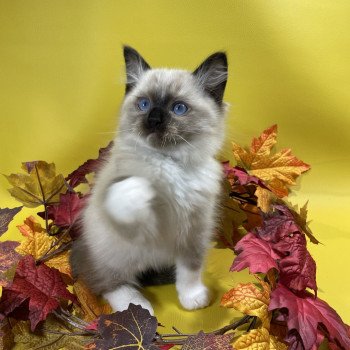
(154, 202)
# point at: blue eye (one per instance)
(144, 104)
(180, 108)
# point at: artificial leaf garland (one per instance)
(37, 310)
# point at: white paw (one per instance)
(197, 297)
(122, 297)
(129, 201)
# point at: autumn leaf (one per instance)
(39, 186)
(6, 216)
(297, 269)
(278, 171)
(306, 314)
(250, 300)
(259, 339)
(67, 211)
(8, 258)
(277, 225)
(300, 217)
(41, 339)
(41, 285)
(6, 335)
(203, 341)
(30, 226)
(38, 242)
(132, 328)
(78, 176)
(90, 304)
(254, 253)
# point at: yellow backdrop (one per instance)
(61, 85)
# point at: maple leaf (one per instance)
(133, 328)
(6, 216)
(203, 341)
(258, 339)
(8, 258)
(254, 253)
(90, 304)
(78, 176)
(41, 285)
(300, 217)
(38, 242)
(250, 300)
(307, 315)
(30, 226)
(278, 171)
(297, 269)
(40, 186)
(40, 339)
(67, 211)
(277, 225)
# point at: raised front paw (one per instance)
(129, 201)
(196, 297)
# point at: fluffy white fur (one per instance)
(154, 205)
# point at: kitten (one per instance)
(154, 202)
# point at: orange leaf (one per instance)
(30, 226)
(91, 305)
(278, 171)
(37, 242)
(250, 300)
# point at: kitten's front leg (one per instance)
(192, 293)
(129, 201)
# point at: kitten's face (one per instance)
(167, 108)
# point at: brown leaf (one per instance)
(133, 328)
(6, 216)
(8, 258)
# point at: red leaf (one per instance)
(308, 316)
(8, 258)
(78, 176)
(6, 216)
(67, 211)
(297, 268)
(254, 253)
(133, 328)
(41, 285)
(278, 225)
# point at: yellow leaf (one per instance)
(278, 171)
(265, 199)
(259, 339)
(91, 305)
(26, 339)
(38, 186)
(250, 300)
(38, 242)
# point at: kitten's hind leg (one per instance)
(122, 296)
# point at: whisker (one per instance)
(185, 141)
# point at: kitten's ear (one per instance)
(135, 67)
(212, 75)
